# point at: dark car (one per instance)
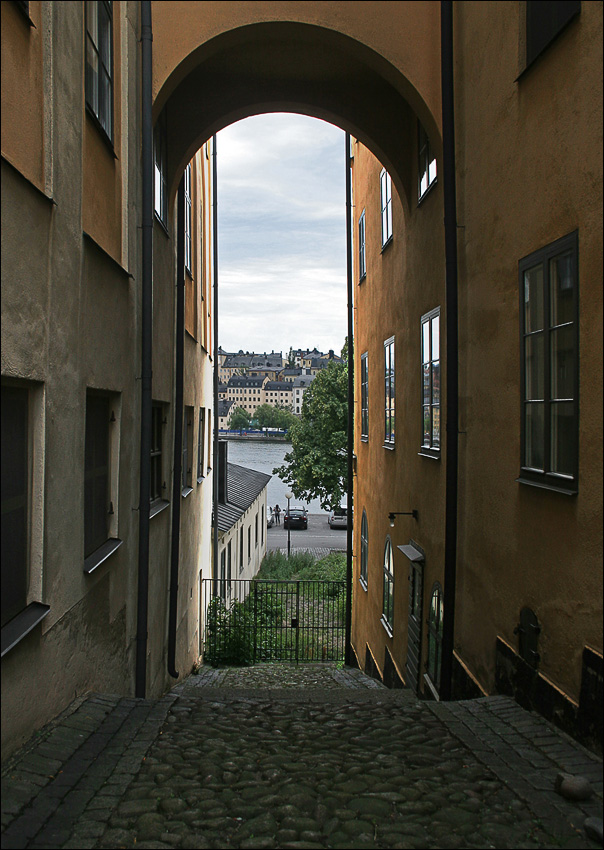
(295, 518)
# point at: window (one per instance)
(364, 550)
(362, 259)
(161, 192)
(188, 221)
(157, 424)
(187, 451)
(249, 543)
(544, 21)
(435, 635)
(262, 526)
(426, 170)
(549, 366)
(256, 530)
(389, 392)
(430, 343)
(99, 63)
(97, 505)
(364, 398)
(386, 206)
(388, 598)
(201, 441)
(15, 500)
(241, 549)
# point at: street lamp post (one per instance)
(288, 496)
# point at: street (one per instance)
(318, 535)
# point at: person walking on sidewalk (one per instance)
(277, 514)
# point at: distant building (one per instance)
(246, 392)
(278, 394)
(299, 386)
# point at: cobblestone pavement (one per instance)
(278, 756)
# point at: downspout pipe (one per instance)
(350, 444)
(452, 353)
(144, 503)
(178, 427)
(215, 478)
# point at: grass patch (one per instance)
(303, 566)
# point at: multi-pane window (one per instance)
(364, 549)
(386, 206)
(161, 191)
(249, 543)
(187, 451)
(549, 377)
(388, 596)
(99, 63)
(201, 441)
(430, 342)
(256, 530)
(188, 221)
(96, 473)
(362, 257)
(364, 397)
(426, 167)
(157, 421)
(544, 21)
(389, 419)
(15, 500)
(241, 553)
(435, 635)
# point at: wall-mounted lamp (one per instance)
(394, 514)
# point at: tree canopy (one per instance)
(316, 467)
(240, 419)
(270, 416)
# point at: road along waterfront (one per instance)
(285, 756)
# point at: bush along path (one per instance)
(294, 610)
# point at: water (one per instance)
(264, 456)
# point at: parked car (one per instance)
(270, 519)
(338, 518)
(295, 518)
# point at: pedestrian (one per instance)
(278, 514)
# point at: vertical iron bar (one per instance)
(350, 442)
(255, 615)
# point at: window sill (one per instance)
(162, 225)
(362, 278)
(364, 439)
(101, 554)
(157, 507)
(389, 446)
(101, 131)
(547, 485)
(432, 454)
(387, 243)
(363, 584)
(386, 626)
(186, 491)
(201, 479)
(21, 625)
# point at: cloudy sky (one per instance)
(281, 231)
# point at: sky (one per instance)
(281, 234)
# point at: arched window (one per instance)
(364, 550)
(388, 601)
(435, 634)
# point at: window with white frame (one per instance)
(157, 426)
(188, 221)
(386, 206)
(201, 441)
(364, 397)
(389, 394)
(430, 344)
(187, 451)
(362, 257)
(388, 592)
(426, 168)
(99, 63)
(549, 377)
(160, 187)
(364, 550)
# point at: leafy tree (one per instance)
(291, 359)
(316, 467)
(240, 419)
(270, 416)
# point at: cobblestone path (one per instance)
(275, 756)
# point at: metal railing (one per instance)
(252, 621)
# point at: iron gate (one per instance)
(249, 621)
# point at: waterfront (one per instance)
(264, 456)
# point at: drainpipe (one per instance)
(178, 425)
(215, 376)
(350, 446)
(452, 408)
(144, 502)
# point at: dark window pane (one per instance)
(544, 20)
(533, 299)
(534, 367)
(534, 435)
(562, 362)
(562, 442)
(561, 282)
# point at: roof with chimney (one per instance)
(243, 488)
